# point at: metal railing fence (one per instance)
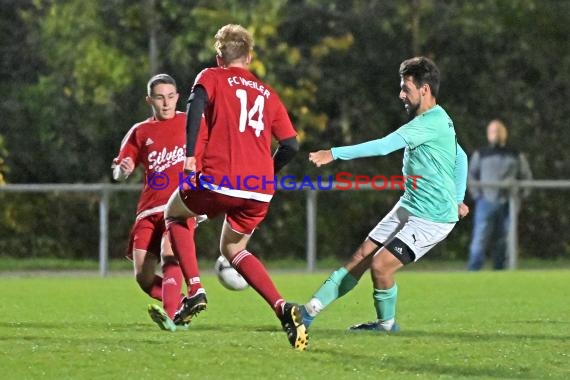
(105, 191)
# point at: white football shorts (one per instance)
(419, 234)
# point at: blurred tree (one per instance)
(80, 99)
(12, 72)
(3, 165)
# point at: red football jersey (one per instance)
(159, 146)
(242, 115)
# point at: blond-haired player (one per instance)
(242, 116)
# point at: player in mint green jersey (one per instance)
(424, 215)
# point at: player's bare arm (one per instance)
(322, 157)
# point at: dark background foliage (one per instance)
(73, 74)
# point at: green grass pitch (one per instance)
(512, 325)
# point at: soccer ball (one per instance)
(228, 276)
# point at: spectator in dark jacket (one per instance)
(495, 162)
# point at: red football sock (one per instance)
(256, 275)
(171, 284)
(181, 236)
(155, 290)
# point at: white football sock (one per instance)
(387, 324)
(314, 307)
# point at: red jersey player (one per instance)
(242, 115)
(158, 145)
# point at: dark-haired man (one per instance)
(158, 145)
(423, 216)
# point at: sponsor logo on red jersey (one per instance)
(159, 161)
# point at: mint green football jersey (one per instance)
(430, 153)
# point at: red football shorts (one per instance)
(243, 215)
(146, 234)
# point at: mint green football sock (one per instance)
(329, 291)
(385, 303)
(337, 285)
(347, 284)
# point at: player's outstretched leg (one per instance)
(180, 224)
(181, 234)
(254, 272)
(340, 282)
(182, 238)
(292, 323)
(384, 266)
(144, 266)
(232, 246)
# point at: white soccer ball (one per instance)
(228, 276)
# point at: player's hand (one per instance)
(189, 170)
(463, 210)
(190, 165)
(322, 157)
(127, 166)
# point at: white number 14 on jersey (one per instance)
(246, 116)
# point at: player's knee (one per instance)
(378, 269)
(382, 276)
(227, 252)
(229, 247)
(385, 264)
(144, 281)
(230, 250)
(169, 259)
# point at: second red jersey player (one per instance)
(242, 116)
(158, 145)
